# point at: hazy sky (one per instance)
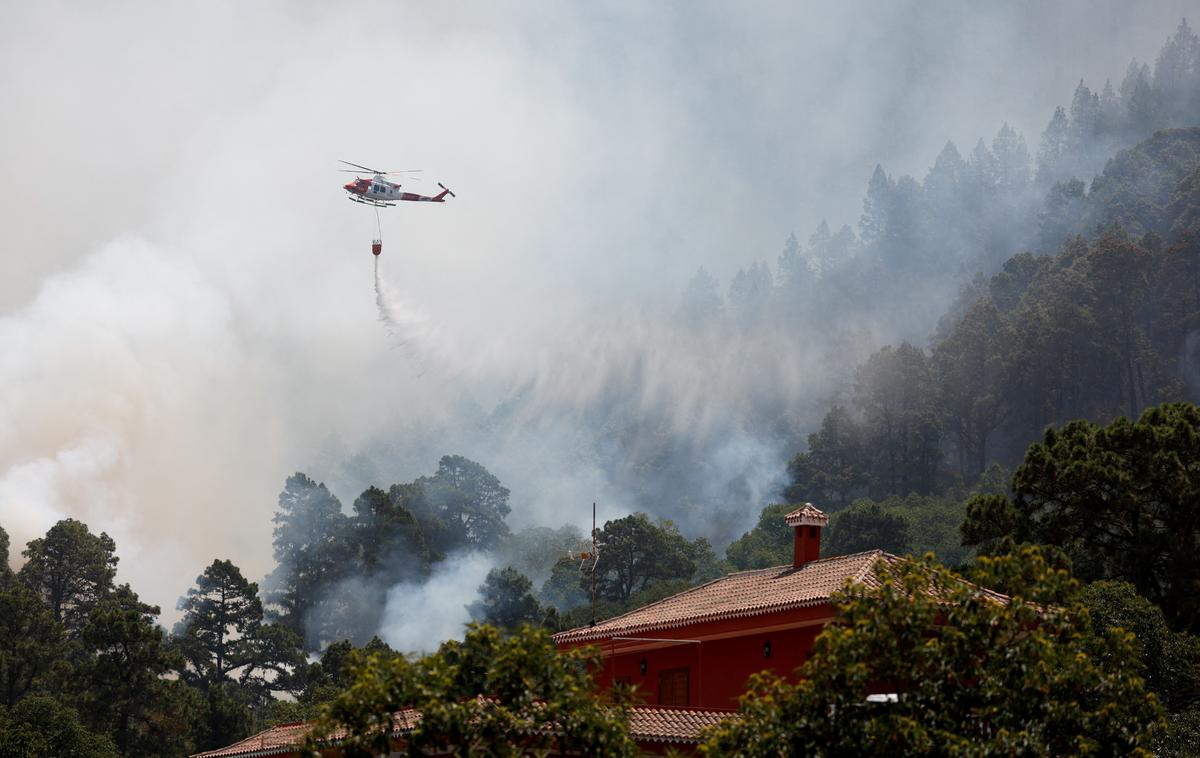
(186, 304)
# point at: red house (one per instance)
(697, 648)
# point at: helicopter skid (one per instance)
(360, 201)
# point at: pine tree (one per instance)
(1177, 76)
(702, 298)
(72, 569)
(1138, 97)
(1110, 121)
(4, 569)
(750, 293)
(126, 692)
(982, 177)
(1012, 161)
(906, 221)
(834, 468)
(221, 616)
(1054, 150)
(311, 551)
(32, 643)
(841, 246)
(876, 207)
(943, 191)
(947, 171)
(506, 601)
(468, 501)
(894, 394)
(1085, 114)
(971, 372)
(791, 265)
(636, 553)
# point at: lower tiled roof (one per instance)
(647, 723)
(282, 739)
(746, 593)
(662, 723)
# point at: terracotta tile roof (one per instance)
(647, 723)
(747, 593)
(662, 723)
(806, 515)
(283, 739)
(280, 738)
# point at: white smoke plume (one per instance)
(410, 328)
(115, 373)
(418, 616)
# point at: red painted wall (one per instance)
(728, 653)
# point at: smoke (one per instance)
(184, 314)
(410, 328)
(419, 616)
(119, 371)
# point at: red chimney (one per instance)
(807, 520)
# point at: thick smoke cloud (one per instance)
(418, 616)
(187, 310)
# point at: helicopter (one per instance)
(381, 193)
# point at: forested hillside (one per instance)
(1099, 328)
(801, 331)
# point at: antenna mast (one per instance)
(594, 565)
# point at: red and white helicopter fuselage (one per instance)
(381, 193)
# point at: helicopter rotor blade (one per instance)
(364, 168)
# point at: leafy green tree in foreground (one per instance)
(975, 676)
(41, 726)
(527, 684)
(1170, 661)
(1122, 501)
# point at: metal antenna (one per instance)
(594, 565)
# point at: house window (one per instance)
(673, 687)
